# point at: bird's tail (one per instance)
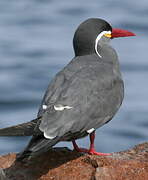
(37, 146)
(24, 129)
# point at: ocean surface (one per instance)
(36, 42)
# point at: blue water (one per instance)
(36, 42)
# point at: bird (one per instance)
(85, 95)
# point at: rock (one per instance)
(64, 164)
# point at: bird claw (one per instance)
(92, 152)
(98, 153)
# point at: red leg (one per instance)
(92, 147)
(76, 147)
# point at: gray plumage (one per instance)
(25, 129)
(90, 85)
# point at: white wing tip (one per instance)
(48, 137)
(90, 130)
(44, 106)
(68, 107)
(61, 107)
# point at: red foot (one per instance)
(91, 151)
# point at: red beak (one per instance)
(121, 33)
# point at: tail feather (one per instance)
(24, 129)
(37, 146)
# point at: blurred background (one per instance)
(36, 42)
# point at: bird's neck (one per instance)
(109, 55)
(106, 51)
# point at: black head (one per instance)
(86, 34)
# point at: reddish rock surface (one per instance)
(63, 164)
